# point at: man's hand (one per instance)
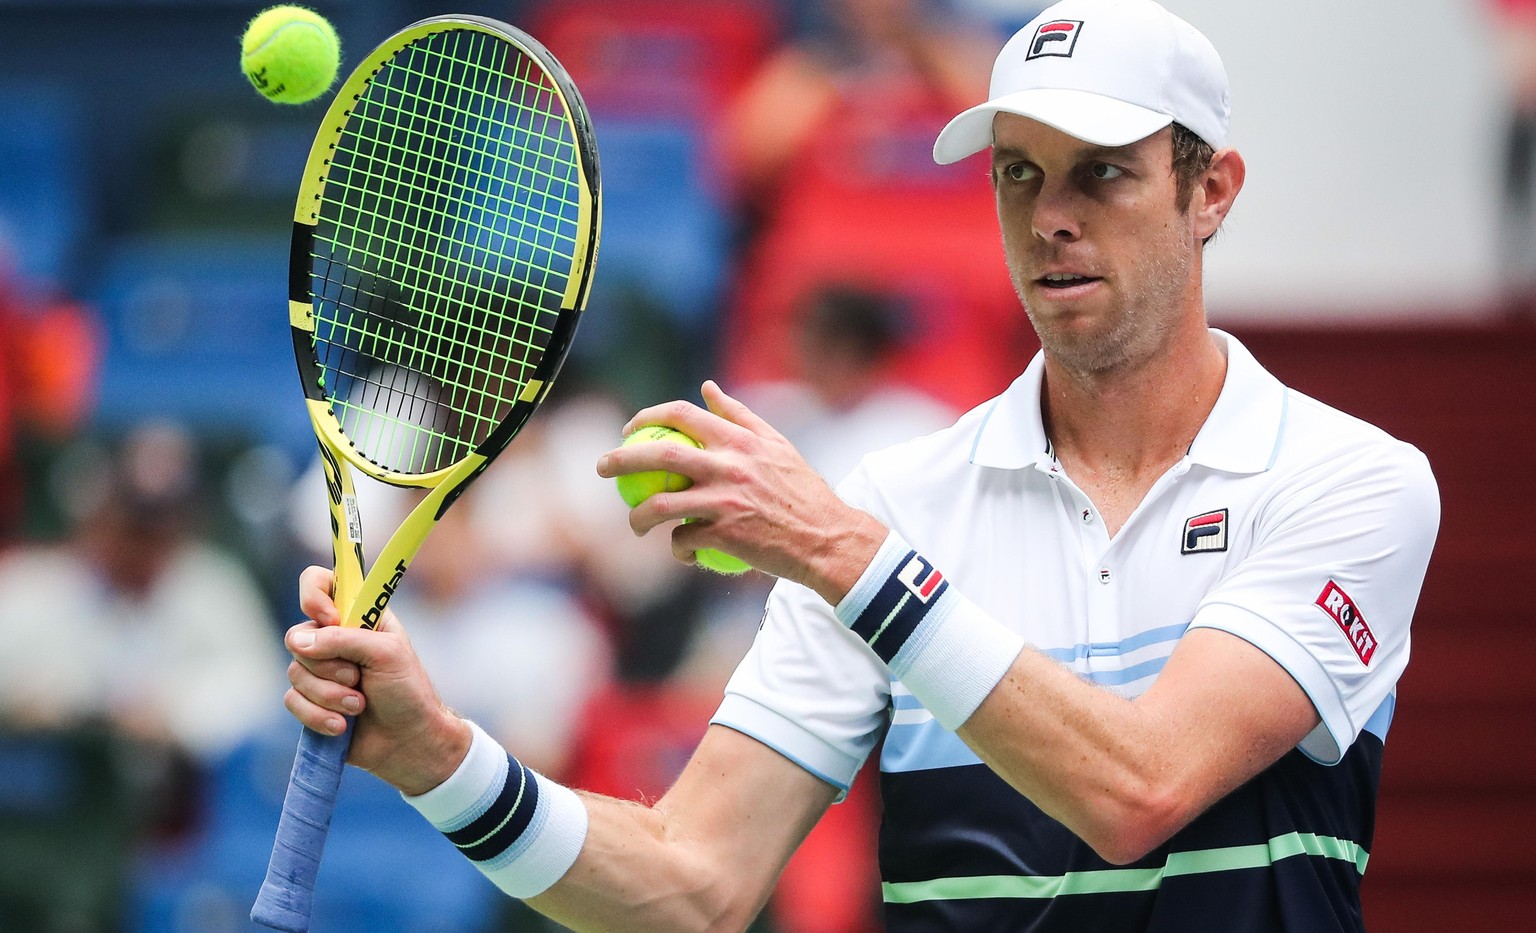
(405, 735)
(753, 496)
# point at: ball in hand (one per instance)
(635, 488)
(290, 54)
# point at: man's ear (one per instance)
(1216, 190)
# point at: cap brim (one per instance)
(1093, 118)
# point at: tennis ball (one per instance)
(290, 54)
(635, 488)
(720, 562)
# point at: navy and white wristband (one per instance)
(522, 830)
(939, 644)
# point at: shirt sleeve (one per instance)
(1329, 588)
(808, 687)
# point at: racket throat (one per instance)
(373, 614)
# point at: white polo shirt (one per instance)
(1300, 529)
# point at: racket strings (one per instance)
(447, 235)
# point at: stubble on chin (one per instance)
(1137, 324)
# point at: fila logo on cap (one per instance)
(1341, 609)
(1206, 532)
(919, 577)
(1058, 37)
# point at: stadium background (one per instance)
(145, 192)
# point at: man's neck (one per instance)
(1121, 429)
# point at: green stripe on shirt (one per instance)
(1118, 880)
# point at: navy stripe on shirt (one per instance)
(965, 823)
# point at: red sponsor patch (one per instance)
(1341, 609)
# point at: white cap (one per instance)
(1109, 72)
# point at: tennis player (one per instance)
(1130, 632)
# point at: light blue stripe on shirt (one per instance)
(1124, 675)
(1381, 720)
(924, 746)
(1134, 643)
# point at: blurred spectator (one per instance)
(881, 68)
(49, 351)
(830, 153)
(91, 629)
(846, 401)
(1516, 35)
(100, 738)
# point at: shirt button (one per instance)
(1087, 516)
(1104, 575)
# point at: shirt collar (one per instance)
(1241, 435)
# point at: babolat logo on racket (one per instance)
(920, 578)
(375, 613)
(1206, 532)
(1058, 37)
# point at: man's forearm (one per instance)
(703, 857)
(1125, 775)
(635, 873)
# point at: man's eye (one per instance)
(1019, 171)
(1104, 171)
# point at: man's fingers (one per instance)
(312, 715)
(712, 426)
(735, 411)
(337, 671)
(315, 600)
(666, 456)
(325, 692)
(311, 641)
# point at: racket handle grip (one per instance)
(287, 896)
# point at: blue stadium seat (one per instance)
(42, 179)
(197, 331)
(664, 229)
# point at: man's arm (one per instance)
(703, 857)
(1125, 775)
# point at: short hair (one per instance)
(1191, 157)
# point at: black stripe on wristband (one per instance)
(900, 606)
(503, 822)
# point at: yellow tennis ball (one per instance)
(720, 562)
(635, 488)
(290, 54)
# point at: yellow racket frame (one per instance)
(337, 451)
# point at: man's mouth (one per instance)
(1065, 279)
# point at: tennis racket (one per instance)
(443, 245)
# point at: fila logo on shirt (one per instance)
(1206, 532)
(1058, 37)
(1341, 609)
(920, 578)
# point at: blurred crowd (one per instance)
(772, 219)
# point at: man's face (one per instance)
(1101, 253)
